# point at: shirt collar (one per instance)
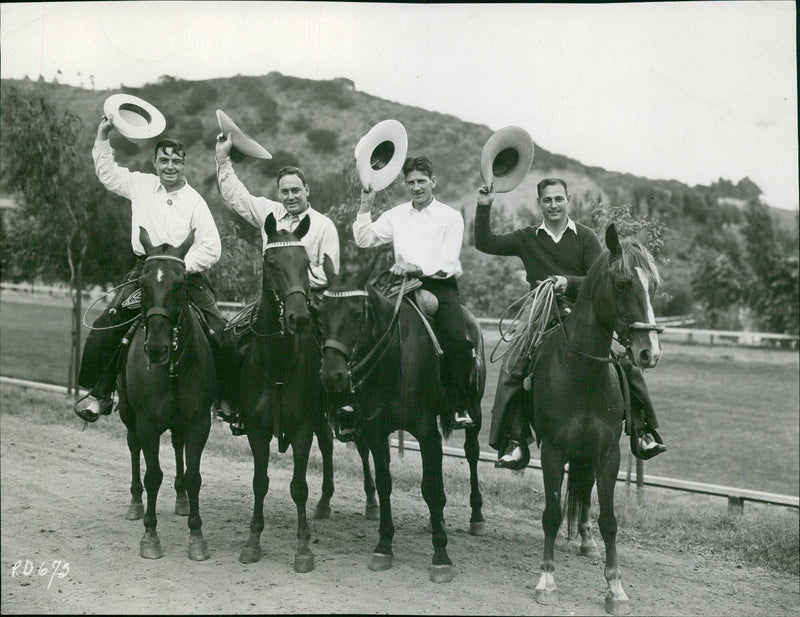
(161, 187)
(557, 237)
(430, 208)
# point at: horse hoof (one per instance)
(442, 574)
(379, 562)
(198, 548)
(322, 512)
(372, 513)
(303, 563)
(548, 597)
(182, 506)
(150, 549)
(590, 551)
(135, 512)
(615, 606)
(477, 529)
(250, 554)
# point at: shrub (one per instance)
(200, 97)
(323, 140)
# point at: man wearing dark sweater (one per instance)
(563, 249)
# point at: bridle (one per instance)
(281, 302)
(359, 370)
(624, 338)
(173, 320)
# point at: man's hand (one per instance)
(222, 150)
(106, 124)
(560, 286)
(367, 199)
(486, 195)
(400, 269)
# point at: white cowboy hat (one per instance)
(134, 118)
(506, 158)
(380, 154)
(243, 144)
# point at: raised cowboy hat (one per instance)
(134, 118)
(243, 144)
(380, 154)
(506, 158)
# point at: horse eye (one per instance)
(622, 285)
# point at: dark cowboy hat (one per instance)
(380, 154)
(506, 158)
(134, 118)
(243, 144)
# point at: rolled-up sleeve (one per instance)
(367, 234)
(207, 247)
(115, 178)
(251, 208)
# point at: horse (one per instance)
(279, 391)
(394, 383)
(168, 382)
(579, 403)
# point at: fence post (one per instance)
(400, 447)
(628, 474)
(639, 479)
(735, 505)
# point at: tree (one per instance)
(716, 283)
(58, 197)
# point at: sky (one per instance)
(692, 91)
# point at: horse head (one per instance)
(623, 300)
(285, 272)
(164, 294)
(343, 317)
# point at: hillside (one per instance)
(316, 124)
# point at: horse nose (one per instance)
(157, 354)
(333, 380)
(297, 322)
(648, 359)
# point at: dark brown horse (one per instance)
(168, 383)
(279, 390)
(381, 353)
(579, 404)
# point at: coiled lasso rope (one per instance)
(527, 327)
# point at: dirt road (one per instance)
(64, 495)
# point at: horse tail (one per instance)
(447, 422)
(581, 478)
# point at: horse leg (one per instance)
(382, 556)
(433, 492)
(477, 525)
(150, 545)
(301, 447)
(588, 545)
(616, 599)
(371, 510)
(259, 446)
(553, 473)
(135, 508)
(325, 443)
(181, 498)
(194, 444)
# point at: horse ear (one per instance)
(144, 238)
(302, 229)
(612, 241)
(270, 225)
(186, 244)
(329, 270)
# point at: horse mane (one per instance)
(634, 255)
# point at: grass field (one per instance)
(728, 415)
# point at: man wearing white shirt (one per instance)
(293, 192)
(169, 209)
(426, 236)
